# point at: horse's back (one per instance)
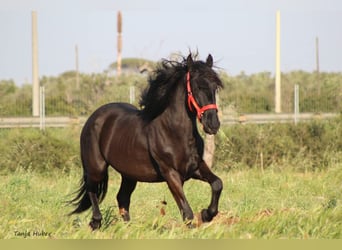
(100, 116)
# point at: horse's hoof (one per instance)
(189, 224)
(126, 217)
(95, 224)
(124, 214)
(205, 216)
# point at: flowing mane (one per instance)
(163, 81)
(162, 84)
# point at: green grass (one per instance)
(270, 205)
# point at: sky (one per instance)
(240, 34)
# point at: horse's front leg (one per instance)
(204, 173)
(175, 184)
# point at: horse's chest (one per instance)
(191, 160)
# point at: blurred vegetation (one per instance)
(305, 147)
(309, 146)
(255, 93)
(41, 152)
(242, 93)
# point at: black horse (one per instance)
(157, 143)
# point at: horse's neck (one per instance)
(177, 116)
(176, 125)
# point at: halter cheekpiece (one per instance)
(192, 102)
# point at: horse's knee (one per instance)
(217, 185)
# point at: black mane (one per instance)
(161, 84)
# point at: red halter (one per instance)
(191, 100)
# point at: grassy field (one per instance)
(254, 204)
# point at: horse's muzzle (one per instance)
(210, 122)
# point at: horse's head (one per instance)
(202, 85)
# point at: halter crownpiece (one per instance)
(192, 102)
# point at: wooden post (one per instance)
(209, 141)
(296, 103)
(77, 68)
(209, 150)
(119, 45)
(35, 75)
(278, 74)
(317, 67)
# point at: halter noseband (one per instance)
(192, 102)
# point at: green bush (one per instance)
(306, 146)
(31, 149)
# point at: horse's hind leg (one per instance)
(96, 179)
(124, 196)
(204, 173)
(96, 219)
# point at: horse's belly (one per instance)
(132, 160)
(142, 173)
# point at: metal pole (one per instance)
(35, 74)
(278, 74)
(296, 103)
(42, 108)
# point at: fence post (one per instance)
(35, 74)
(209, 144)
(131, 94)
(119, 45)
(296, 103)
(278, 73)
(209, 150)
(42, 108)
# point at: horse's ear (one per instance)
(209, 61)
(189, 61)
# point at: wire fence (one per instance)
(62, 98)
(307, 102)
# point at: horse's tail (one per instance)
(82, 200)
